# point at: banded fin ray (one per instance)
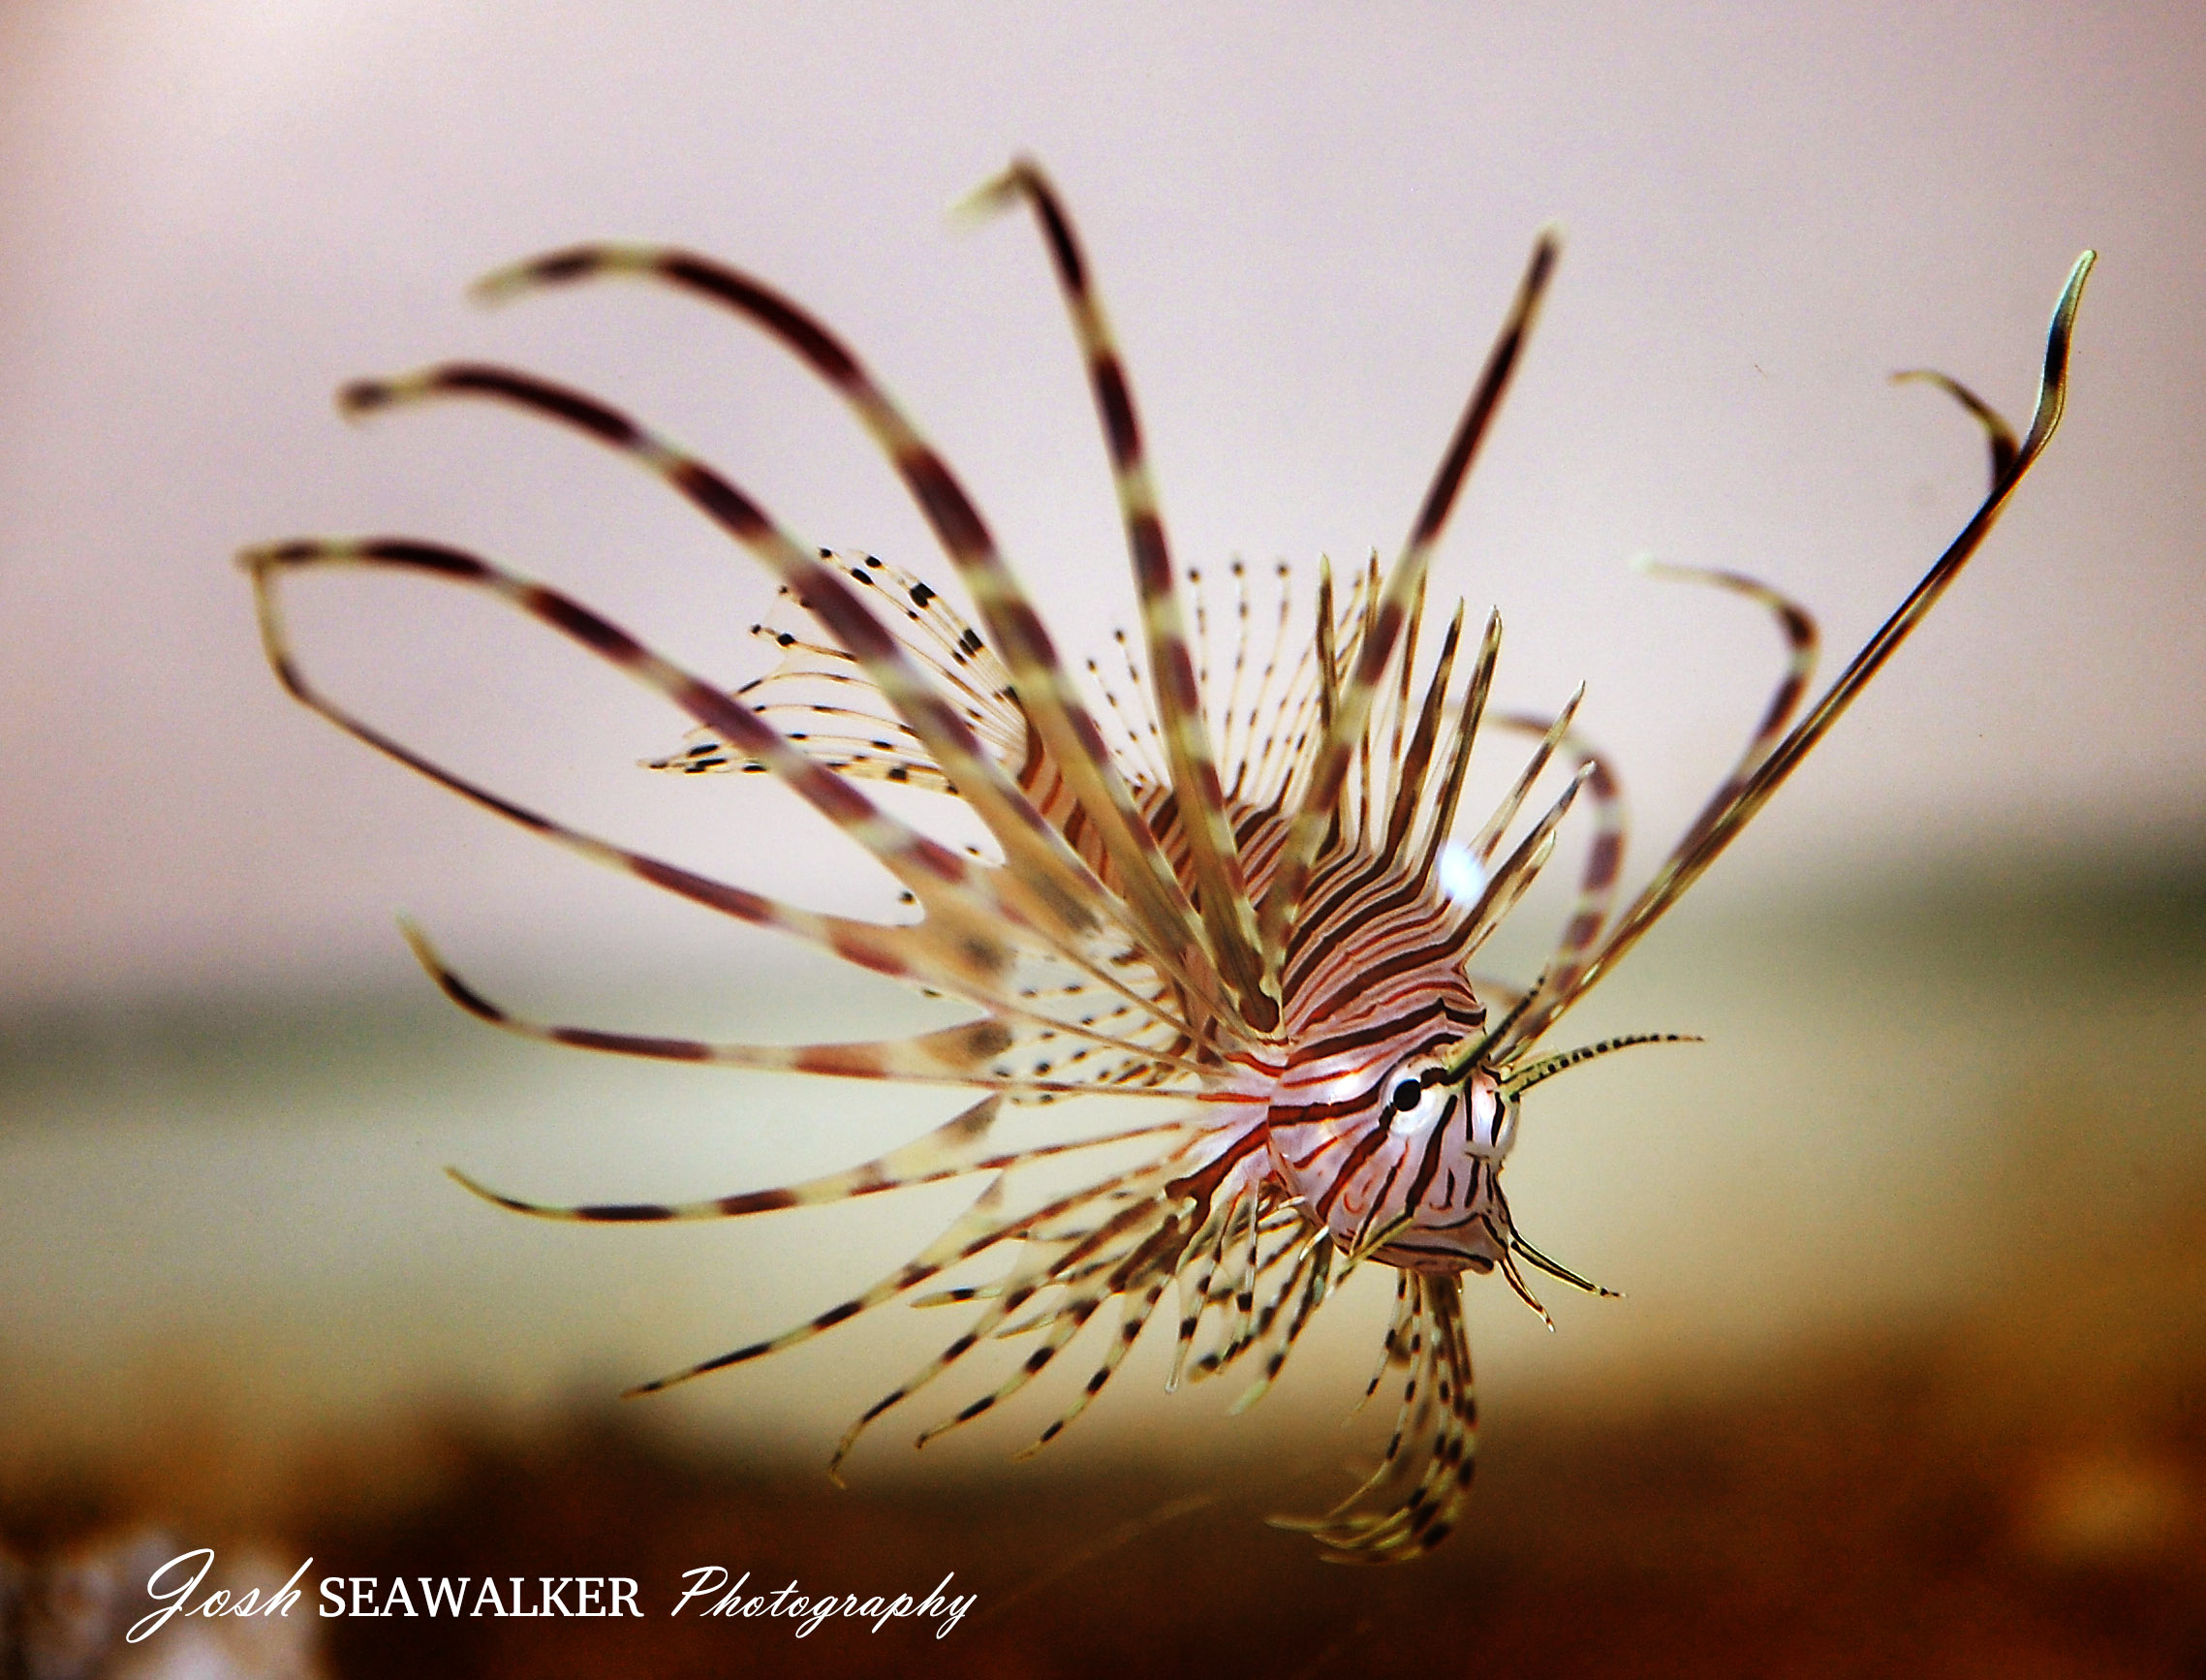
(1156, 900)
(955, 1149)
(1222, 890)
(1059, 893)
(969, 1054)
(959, 946)
(1404, 584)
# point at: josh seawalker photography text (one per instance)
(707, 1591)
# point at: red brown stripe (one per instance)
(627, 1045)
(956, 522)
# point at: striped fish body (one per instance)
(1360, 1133)
(1365, 1133)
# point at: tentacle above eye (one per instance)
(1522, 1076)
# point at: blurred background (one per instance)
(1911, 1367)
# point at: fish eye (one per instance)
(1415, 1096)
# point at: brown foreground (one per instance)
(2021, 1493)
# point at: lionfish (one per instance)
(1254, 913)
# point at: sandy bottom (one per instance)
(1910, 1378)
(2022, 1492)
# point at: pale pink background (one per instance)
(1306, 220)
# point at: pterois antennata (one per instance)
(1256, 912)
